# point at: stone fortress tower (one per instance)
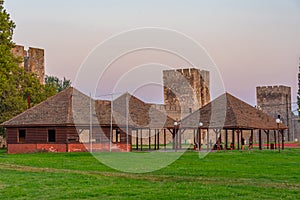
(185, 91)
(276, 100)
(33, 60)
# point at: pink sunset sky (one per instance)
(253, 43)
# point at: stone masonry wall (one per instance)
(35, 63)
(185, 91)
(276, 100)
(33, 60)
(19, 51)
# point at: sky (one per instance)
(252, 43)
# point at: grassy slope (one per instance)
(243, 175)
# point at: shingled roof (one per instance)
(71, 107)
(229, 112)
(140, 114)
(55, 111)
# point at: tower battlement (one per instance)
(274, 88)
(32, 60)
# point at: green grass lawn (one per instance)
(219, 175)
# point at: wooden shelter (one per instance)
(228, 113)
(146, 121)
(53, 125)
(71, 121)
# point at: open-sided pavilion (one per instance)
(229, 115)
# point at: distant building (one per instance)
(276, 100)
(33, 60)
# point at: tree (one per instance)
(15, 83)
(6, 29)
(9, 98)
(55, 82)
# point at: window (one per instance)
(22, 136)
(191, 110)
(116, 137)
(51, 136)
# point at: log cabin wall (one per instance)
(36, 139)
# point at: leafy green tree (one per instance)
(59, 85)
(10, 101)
(15, 83)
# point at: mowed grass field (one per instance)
(220, 175)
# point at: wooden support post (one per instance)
(226, 139)
(233, 139)
(155, 139)
(199, 138)
(282, 137)
(165, 139)
(141, 139)
(131, 130)
(195, 136)
(238, 138)
(207, 139)
(149, 139)
(137, 139)
(275, 140)
(278, 140)
(268, 139)
(259, 140)
(158, 132)
(242, 140)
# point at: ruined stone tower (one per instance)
(33, 61)
(185, 91)
(276, 100)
